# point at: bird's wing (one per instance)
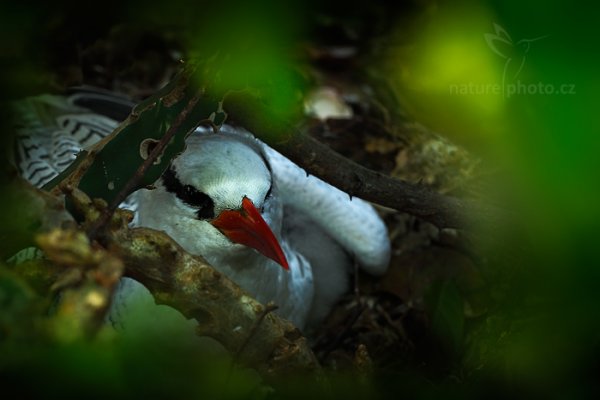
(352, 222)
(100, 101)
(51, 130)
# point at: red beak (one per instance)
(246, 226)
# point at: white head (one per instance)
(224, 168)
(211, 198)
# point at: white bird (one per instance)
(282, 235)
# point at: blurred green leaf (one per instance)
(15, 301)
(22, 215)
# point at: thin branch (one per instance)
(319, 160)
(442, 211)
(269, 308)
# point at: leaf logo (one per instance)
(515, 53)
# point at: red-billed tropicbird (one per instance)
(282, 235)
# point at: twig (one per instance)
(343, 333)
(141, 171)
(269, 307)
(319, 160)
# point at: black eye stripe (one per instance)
(268, 165)
(189, 195)
(269, 192)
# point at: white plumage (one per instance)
(320, 229)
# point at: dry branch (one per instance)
(85, 272)
(319, 160)
(223, 310)
(188, 283)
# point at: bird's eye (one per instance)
(190, 195)
(207, 211)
